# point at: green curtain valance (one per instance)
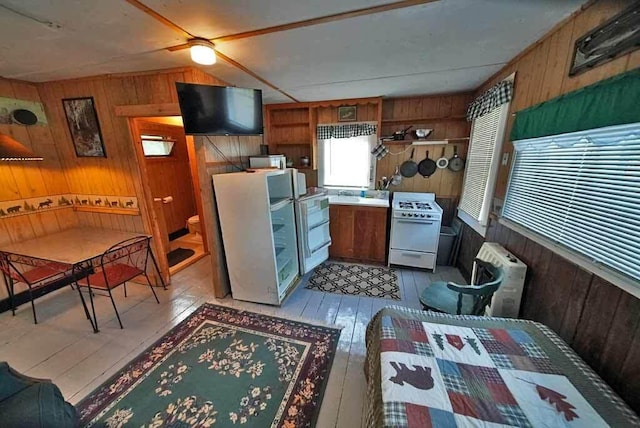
(613, 101)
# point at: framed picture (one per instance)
(84, 127)
(347, 114)
(618, 36)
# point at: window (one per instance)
(156, 145)
(485, 145)
(581, 190)
(346, 162)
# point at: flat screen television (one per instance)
(220, 110)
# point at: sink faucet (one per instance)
(345, 193)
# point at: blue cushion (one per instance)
(439, 297)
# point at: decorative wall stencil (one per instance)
(8, 105)
(84, 127)
(617, 36)
(51, 202)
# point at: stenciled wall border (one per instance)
(39, 204)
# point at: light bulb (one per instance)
(202, 52)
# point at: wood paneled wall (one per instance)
(31, 179)
(445, 114)
(171, 175)
(542, 70)
(599, 320)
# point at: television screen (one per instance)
(220, 110)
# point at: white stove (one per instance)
(415, 230)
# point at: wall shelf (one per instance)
(444, 141)
(106, 210)
(288, 124)
(424, 119)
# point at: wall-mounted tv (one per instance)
(220, 110)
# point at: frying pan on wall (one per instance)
(409, 168)
(427, 166)
(443, 162)
(456, 163)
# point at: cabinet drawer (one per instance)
(412, 258)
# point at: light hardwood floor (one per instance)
(63, 348)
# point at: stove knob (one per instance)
(404, 215)
(421, 215)
(428, 216)
(410, 215)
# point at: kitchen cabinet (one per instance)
(358, 233)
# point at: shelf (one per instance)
(284, 143)
(277, 227)
(277, 203)
(107, 210)
(442, 142)
(287, 124)
(424, 119)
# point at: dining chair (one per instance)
(34, 273)
(459, 299)
(118, 265)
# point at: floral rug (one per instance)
(354, 279)
(220, 367)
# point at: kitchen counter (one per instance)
(358, 201)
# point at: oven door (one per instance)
(415, 235)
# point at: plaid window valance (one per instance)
(494, 97)
(345, 131)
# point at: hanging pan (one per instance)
(443, 162)
(456, 163)
(409, 168)
(427, 166)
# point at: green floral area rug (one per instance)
(220, 367)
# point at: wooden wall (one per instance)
(19, 180)
(599, 320)
(171, 175)
(445, 114)
(542, 70)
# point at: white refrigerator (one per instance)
(312, 218)
(257, 220)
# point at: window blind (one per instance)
(481, 164)
(582, 191)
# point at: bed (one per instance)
(428, 369)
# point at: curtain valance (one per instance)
(613, 101)
(496, 96)
(345, 131)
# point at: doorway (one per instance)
(171, 178)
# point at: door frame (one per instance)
(131, 113)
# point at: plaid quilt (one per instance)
(435, 370)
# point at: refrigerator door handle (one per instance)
(321, 247)
(315, 226)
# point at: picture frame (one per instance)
(347, 114)
(84, 127)
(608, 41)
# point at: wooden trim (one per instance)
(253, 74)
(538, 42)
(114, 75)
(106, 210)
(425, 119)
(155, 15)
(148, 110)
(326, 103)
(197, 191)
(323, 19)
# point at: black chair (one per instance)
(118, 265)
(33, 272)
(456, 299)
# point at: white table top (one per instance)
(71, 246)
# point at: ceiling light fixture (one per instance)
(11, 150)
(202, 51)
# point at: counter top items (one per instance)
(415, 230)
(396, 178)
(399, 135)
(371, 198)
(423, 133)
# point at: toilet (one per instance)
(193, 224)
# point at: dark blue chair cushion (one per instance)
(439, 297)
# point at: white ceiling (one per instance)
(446, 46)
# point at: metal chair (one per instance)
(118, 265)
(35, 273)
(457, 299)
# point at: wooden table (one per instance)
(79, 247)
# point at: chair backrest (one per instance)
(489, 279)
(31, 270)
(133, 252)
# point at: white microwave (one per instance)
(267, 161)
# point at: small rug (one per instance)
(357, 280)
(220, 367)
(179, 254)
